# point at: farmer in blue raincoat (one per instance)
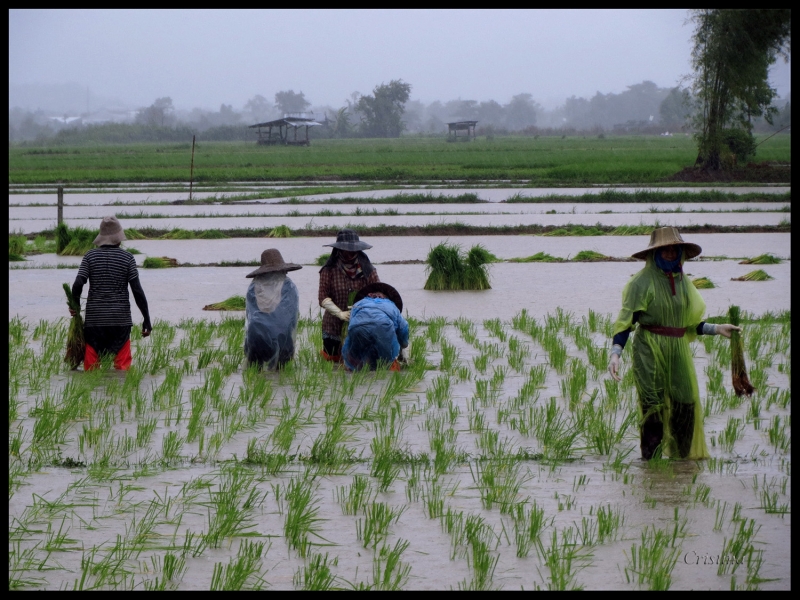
(272, 309)
(377, 332)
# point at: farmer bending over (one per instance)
(377, 330)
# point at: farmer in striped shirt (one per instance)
(347, 271)
(107, 323)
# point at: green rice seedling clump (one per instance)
(16, 246)
(133, 234)
(76, 344)
(762, 259)
(232, 303)
(159, 262)
(179, 234)
(759, 275)
(589, 256)
(281, 231)
(212, 234)
(703, 283)
(322, 259)
(741, 383)
(80, 242)
(449, 269)
(538, 257)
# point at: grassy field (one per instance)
(542, 161)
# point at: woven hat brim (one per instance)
(110, 239)
(384, 288)
(274, 269)
(689, 250)
(350, 246)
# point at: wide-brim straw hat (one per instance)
(111, 232)
(387, 290)
(668, 236)
(347, 240)
(271, 262)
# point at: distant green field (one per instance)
(540, 162)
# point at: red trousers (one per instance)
(122, 360)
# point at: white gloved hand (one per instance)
(330, 306)
(404, 354)
(613, 366)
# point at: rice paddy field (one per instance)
(502, 456)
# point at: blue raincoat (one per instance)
(269, 337)
(376, 333)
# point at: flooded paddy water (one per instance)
(501, 457)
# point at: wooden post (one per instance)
(191, 172)
(60, 205)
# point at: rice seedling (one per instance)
(651, 562)
(302, 515)
(590, 256)
(529, 524)
(741, 384)
(322, 259)
(538, 257)
(563, 560)
(449, 269)
(703, 283)
(78, 241)
(734, 429)
(233, 504)
(374, 527)
(758, 275)
(16, 246)
(76, 344)
(172, 569)
(389, 572)
(316, 574)
(232, 303)
(281, 231)
(779, 433)
(574, 386)
(212, 234)
(159, 262)
(179, 234)
(242, 572)
(762, 259)
(735, 548)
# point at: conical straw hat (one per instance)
(271, 261)
(668, 236)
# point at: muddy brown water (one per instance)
(94, 513)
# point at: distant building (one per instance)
(454, 128)
(278, 131)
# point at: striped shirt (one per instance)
(108, 270)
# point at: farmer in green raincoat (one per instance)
(668, 310)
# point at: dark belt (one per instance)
(676, 332)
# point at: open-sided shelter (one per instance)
(468, 126)
(284, 131)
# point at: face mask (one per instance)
(673, 266)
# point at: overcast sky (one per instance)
(204, 58)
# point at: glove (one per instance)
(331, 307)
(613, 366)
(404, 354)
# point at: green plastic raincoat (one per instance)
(662, 366)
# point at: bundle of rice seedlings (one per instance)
(445, 268)
(81, 240)
(76, 344)
(16, 257)
(759, 275)
(159, 262)
(132, 250)
(589, 256)
(281, 231)
(322, 259)
(762, 259)
(741, 383)
(477, 275)
(16, 245)
(232, 303)
(62, 236)
(703, 283)
(179, 234)
(133, 234)
(538, 257)
(345, 324)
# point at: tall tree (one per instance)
(521, 112)
(290, 102)
(383, 111)
(158, 114)
(733, 49)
